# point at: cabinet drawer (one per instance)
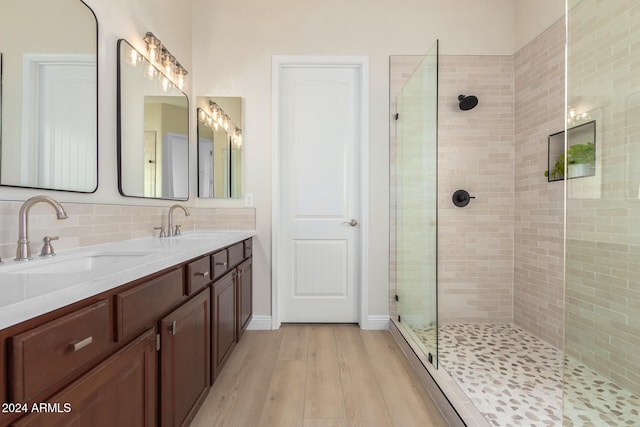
(139, 307)
(198, 275)
(120, 391)
(236, 254)
(219, 262)
(248, 248)
(48, 353)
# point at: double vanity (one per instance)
(130, 333)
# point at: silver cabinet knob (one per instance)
(352, 223)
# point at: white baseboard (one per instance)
(260, 323)
(377, 322)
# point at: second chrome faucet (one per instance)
(174, 230)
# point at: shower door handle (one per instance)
(352, 223)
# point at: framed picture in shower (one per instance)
(581, 153)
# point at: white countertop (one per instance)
(25, 295)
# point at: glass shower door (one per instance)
(416, 205)
(602, 273)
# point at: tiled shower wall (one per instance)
(92, 224)
(475, 244)
(538, 235)
(476, 153)
(500, 258)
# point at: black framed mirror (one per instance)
(220, 149)
(49, 97)
(153, 130)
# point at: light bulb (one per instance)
(133, 57)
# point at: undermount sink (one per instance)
(74, 263)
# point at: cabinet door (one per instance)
(184, 360)
(224, 321)
(121, 391)
(245, 297)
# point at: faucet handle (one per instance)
(47, 249)
(163, 231)
(177, 231)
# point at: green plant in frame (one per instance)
(582, 154)
(558, 169)
(576, 154)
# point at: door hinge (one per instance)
(157, 342)
(173, 327)
(397, 298)
(397, 116)
(398, 318)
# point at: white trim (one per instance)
(362, 62)
(377, 322)
(260, 323)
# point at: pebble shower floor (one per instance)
(515, 379)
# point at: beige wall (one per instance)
(532, 17)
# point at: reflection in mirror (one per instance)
(219, 147)
(49, 132)
(153, 130)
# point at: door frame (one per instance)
(280, 62)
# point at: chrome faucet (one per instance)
(175, 231)
(23, 253)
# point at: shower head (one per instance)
(467, 102)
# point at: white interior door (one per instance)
(59, 126)
(319, 132)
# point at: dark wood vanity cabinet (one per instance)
(223, 322)
(184, 360)
(120, 391)
(142, 354)
(244, 287)
(231, 304)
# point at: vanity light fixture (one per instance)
(163, 61)
(216, 118)
(574, 118)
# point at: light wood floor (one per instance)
(316, 376)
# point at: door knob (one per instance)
(352, 223)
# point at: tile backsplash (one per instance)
(93, 224)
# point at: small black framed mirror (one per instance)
(153, 130)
